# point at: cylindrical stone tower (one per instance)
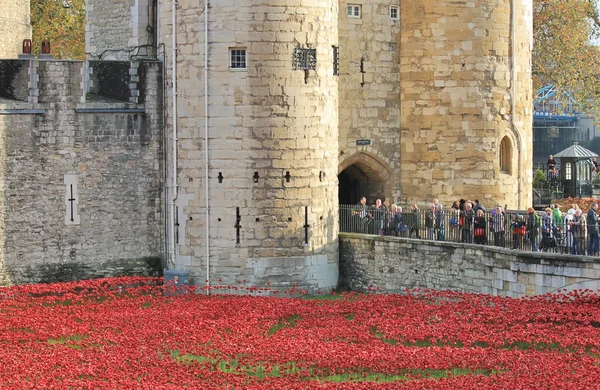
(272, 142)
(15, 26)
(466, 109)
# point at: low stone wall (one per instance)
(71, 271)
(311, 273)
(392, 264)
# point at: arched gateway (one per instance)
(364, 175)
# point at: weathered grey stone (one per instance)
(116, 158)
(514, 274)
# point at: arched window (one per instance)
(505, 155)
(568, 173)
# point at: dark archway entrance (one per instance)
(362, 175)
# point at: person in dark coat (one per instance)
(430, 222)
(467, 216)
(592, 228)
(362, 216)
(518, 228)
(480, 228)
(548, 230)
(412, 220)
(551, 163)
(440, 223)
(533, 228)
(380, 217)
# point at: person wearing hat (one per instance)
(548, 229)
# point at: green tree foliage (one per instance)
(62, 22)
(539, 178)
(563, 52)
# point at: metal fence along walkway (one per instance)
(505, 230)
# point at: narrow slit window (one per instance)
(505, 156)
(336, 60)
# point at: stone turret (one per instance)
(273, 141)
(15, 26)
(466, 108)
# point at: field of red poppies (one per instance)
(124, 333)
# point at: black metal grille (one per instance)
(238, 59)
(505, 231)
(336, 59)
(304, 59)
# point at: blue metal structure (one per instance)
(552, 132)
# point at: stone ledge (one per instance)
(103, 108)
(523, 256)
(18, 107)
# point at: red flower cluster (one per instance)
(126, 333)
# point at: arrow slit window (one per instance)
(505, 155)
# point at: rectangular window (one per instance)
(304, 59)
(394, 14)
(353, 11)
(237, 58)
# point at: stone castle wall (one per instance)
(265, 121)
(109, 151)
(456, 107)
(14, 27)
(391, 265)
(119, 29)
(369, 89)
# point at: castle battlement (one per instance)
(112, 83)
(81, 169)
(274, 114)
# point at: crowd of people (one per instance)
(574, 231)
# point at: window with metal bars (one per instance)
(336, 60)
(304, 59)
(237, 58)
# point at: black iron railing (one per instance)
(505, 230)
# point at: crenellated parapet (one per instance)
(80, 170)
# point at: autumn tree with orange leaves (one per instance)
(62, 22)
(563, 51)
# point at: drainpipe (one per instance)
(157, 27)
(206, 200)
(513, 102)
(174, 107)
